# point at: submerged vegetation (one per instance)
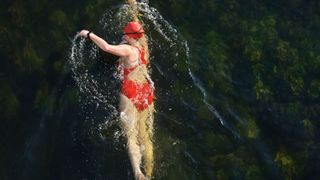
(259, 62)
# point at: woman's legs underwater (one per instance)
(129, 120)
(138, 128)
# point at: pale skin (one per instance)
(136, 124)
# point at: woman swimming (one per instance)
(136, 95)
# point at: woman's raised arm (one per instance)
(118, 50)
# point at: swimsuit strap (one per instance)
(129, 70)
(141, 60)
(141, 51)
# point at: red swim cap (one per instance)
(134, 30)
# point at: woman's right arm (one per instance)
(118, 50)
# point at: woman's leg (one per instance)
(145, 138)
(128, 116)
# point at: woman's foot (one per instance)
(140, 176)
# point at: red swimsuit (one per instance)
(141, 95)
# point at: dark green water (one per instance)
(242, 103)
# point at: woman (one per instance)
(136, 96)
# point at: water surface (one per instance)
(237, 86)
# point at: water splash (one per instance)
(169, 33)
(83, 58)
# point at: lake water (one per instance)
(237, 90)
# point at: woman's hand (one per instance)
(84, 33)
